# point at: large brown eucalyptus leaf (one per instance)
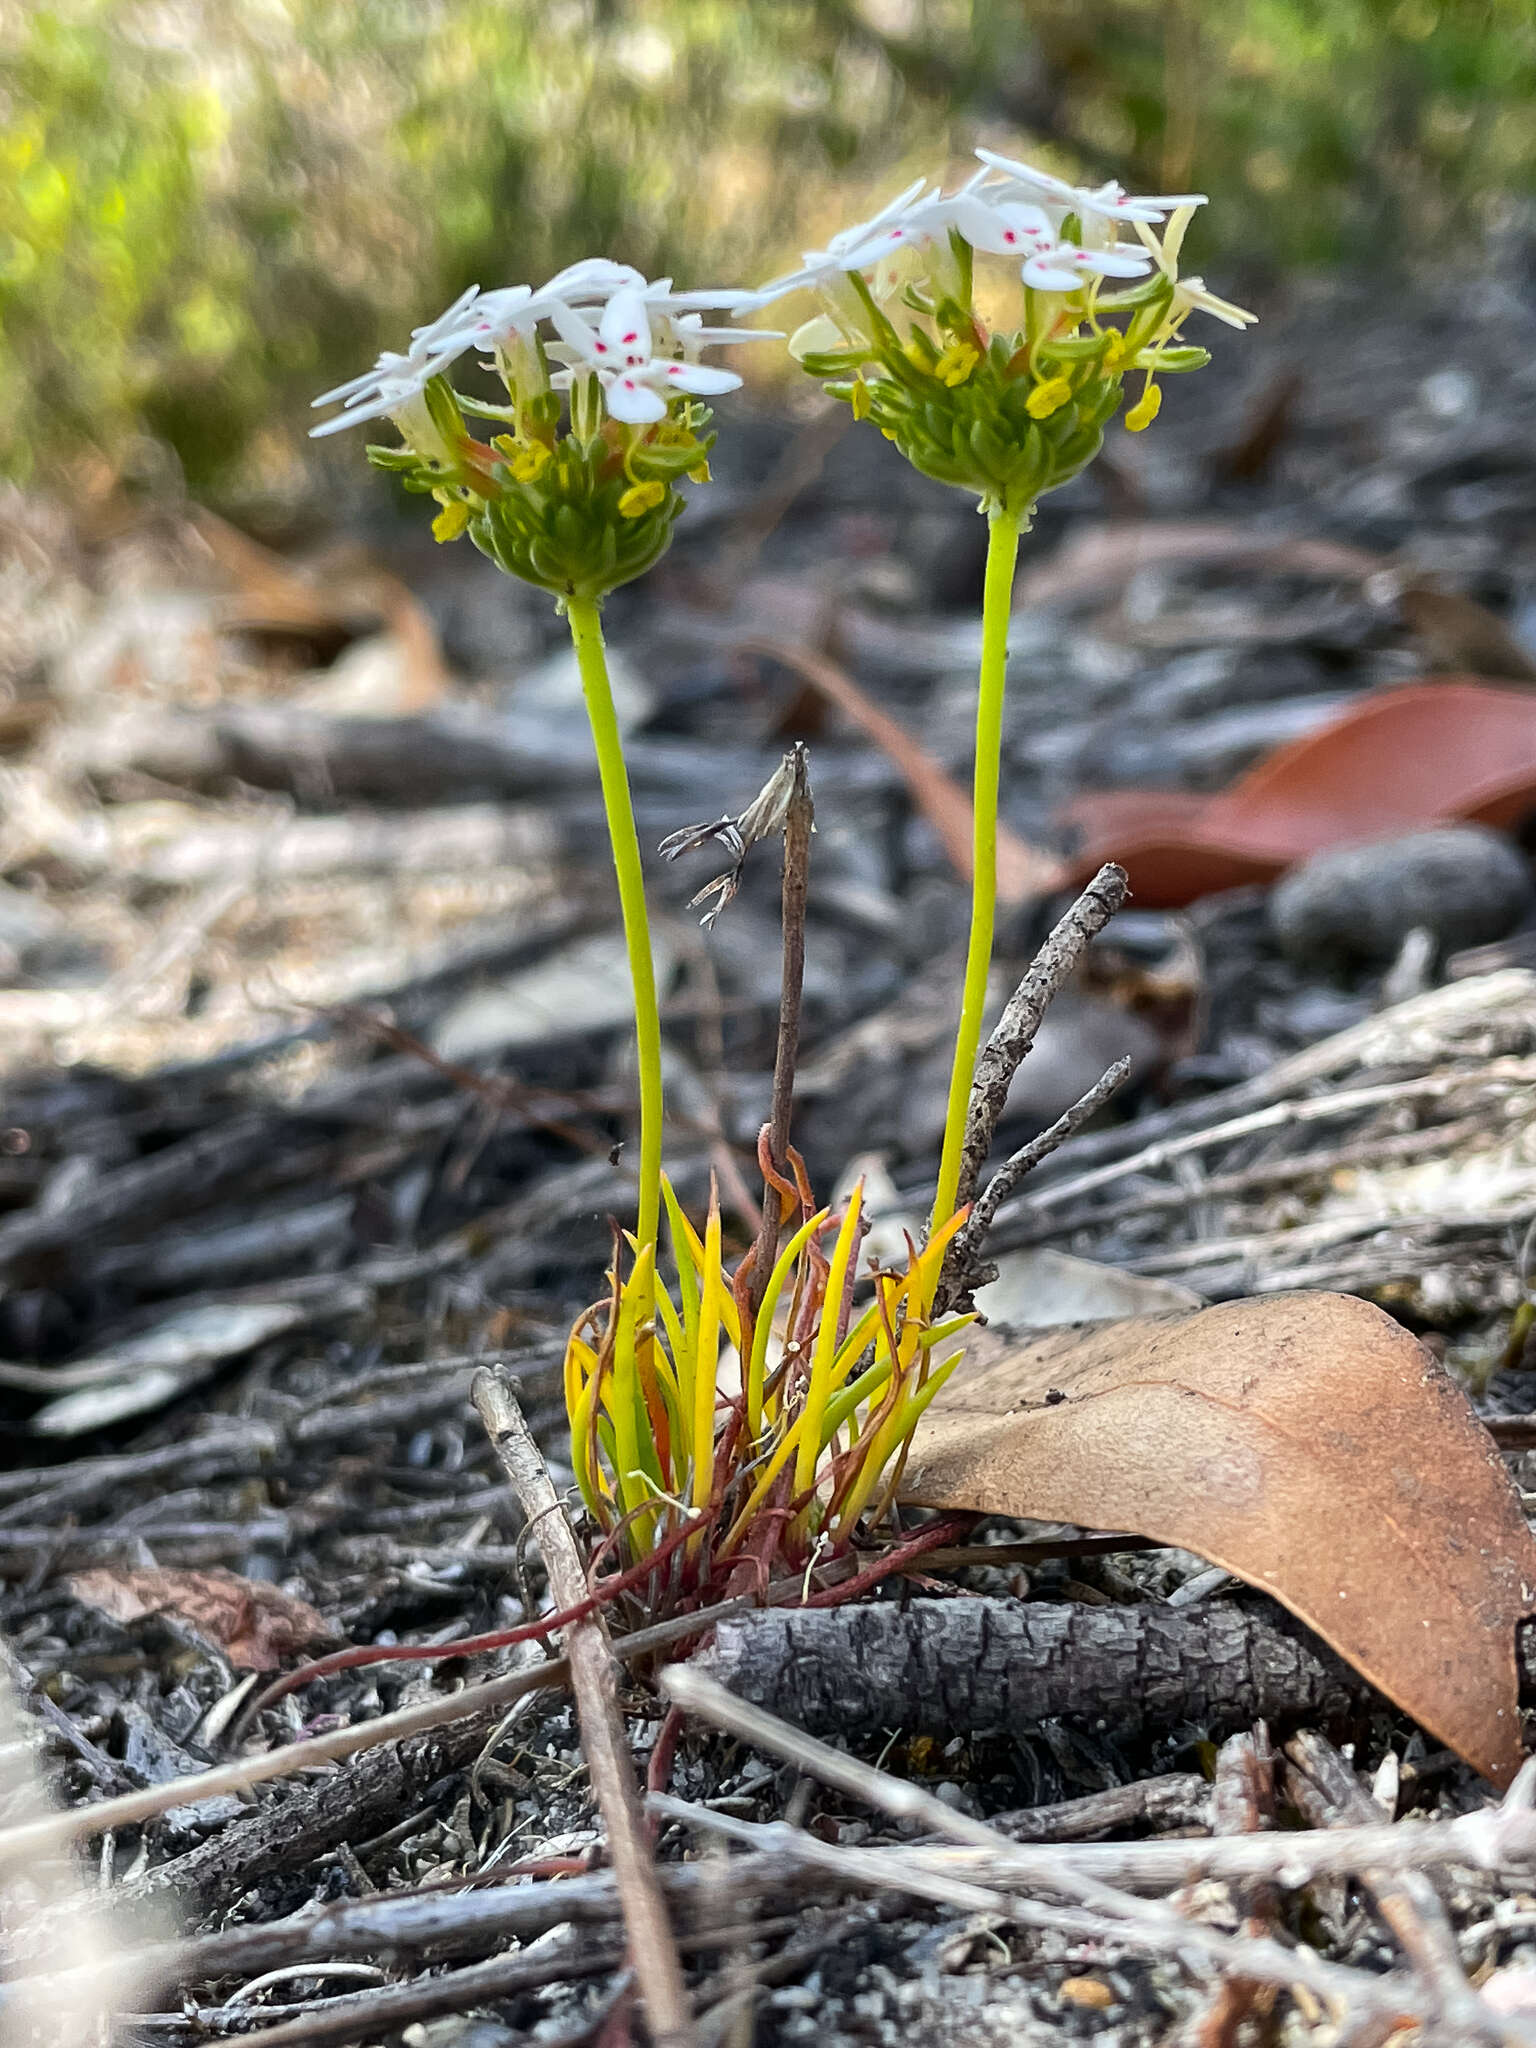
(1305, 1442)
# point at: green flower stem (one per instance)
(1002, 553)
(587, 635)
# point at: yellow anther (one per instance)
(956, 363)
(860, 400)
(1114, 353)
(1144, 411)
(699, 474)
(1047, 398)
(451, 521)
(530, 462)
(641, 498)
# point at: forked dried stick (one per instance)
(653, 1951)
(1016, 1028)
(1012, 1038)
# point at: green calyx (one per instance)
(983, 420)
(576, 514)
(1008, 416)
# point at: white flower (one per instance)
(394, 379)
(690, 334)
(1008, 227)
(619, 350)
(498, 318)
(1190, 294)
(1110, 202)
(904, 222)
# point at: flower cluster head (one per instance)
(600, 422)
(1013, 409)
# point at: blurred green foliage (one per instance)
(208, 211)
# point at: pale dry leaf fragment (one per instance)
(259, 1627)
(1306, 1443)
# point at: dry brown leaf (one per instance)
(1394, 761)
(1305, 1442)
(259, 1627)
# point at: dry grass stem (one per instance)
(589, 1656)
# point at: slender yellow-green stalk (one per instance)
(587, 634)
(997, 602)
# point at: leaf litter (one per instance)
(212, 1100)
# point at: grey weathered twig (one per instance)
(1109, 1915)
(1326, 1793)
(1016, 1028)
(965, 1267)
(658, 1970)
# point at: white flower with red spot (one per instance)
(396, 380)
(905, 222)
(1109, 202)
(1008, 227)
(636, 382)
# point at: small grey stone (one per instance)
(1464, 884)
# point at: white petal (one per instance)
(593, 276)
(628, 399)
(1116, 262)
(697, 377)
(1025, 174)
(790, 281)
(893, 207)
(574, 331)
(389, 368)
(728, 336)
(502, 312)
(446, 323)
(624, 334)
(354, 415)
(728, 299)
(1040, 272)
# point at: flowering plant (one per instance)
(578, 493)
(601, 423)
(1009, 409)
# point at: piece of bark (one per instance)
(1173, 1801)
(293, 1827)
(992, 1666)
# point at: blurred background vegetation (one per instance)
(208, 211)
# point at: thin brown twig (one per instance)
(653, 1950)
(1023, 871)
(799, 823)
(20, 1844)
